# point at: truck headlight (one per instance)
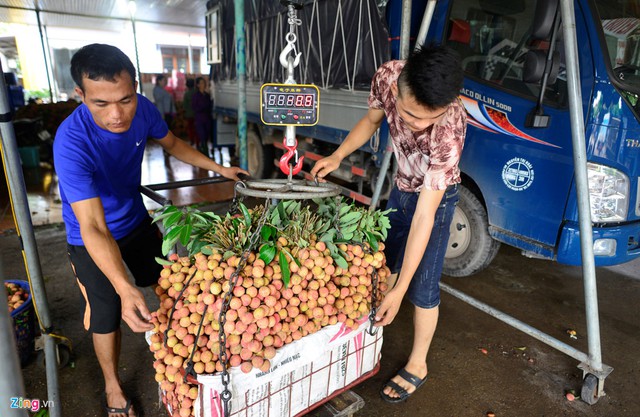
(608, 194)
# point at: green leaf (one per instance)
(246, 214)
(329, 236)
(185, 234)
(266, 232)
(274, 218)
(174, 233)
(206, 250)
(163, 261)
(228, 254)
(284, 267)
(349, 218)
(267, 253)
(165, 213)
(291, 207)
(172, 220)
(349, 229)
(344, 210)
(341, 262)
(372, 241)
(286, 252)
(281, 213)
(332, 248)
(166, 247)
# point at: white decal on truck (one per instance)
(518, 174)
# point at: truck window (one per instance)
(492, 37)
(621, 26)
(214, 52)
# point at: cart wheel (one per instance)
(589, 393)
(64, 354)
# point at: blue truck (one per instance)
(518, 185)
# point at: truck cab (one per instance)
(518, 157)
(518, 184)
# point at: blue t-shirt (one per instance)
(93, 162)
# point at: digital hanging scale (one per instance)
(289, 104)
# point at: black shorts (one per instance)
(103, 308)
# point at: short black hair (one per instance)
(199, 79)
(190, 83)
(159, 78)
(100, 62)
(433, 75)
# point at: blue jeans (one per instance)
(424, 290)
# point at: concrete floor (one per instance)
(518, 376)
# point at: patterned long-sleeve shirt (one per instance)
(428, 158)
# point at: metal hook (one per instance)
(284, 60)
(285, 165)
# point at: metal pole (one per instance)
(426, 22)
(384, 166)
(405, 35)
(190, 57)
(135, 45)
(44, 52)
(241, 71)
(525, 328)
(133, 7)
(56, 88)
(20, 206)
(582, 185)
(11, 385)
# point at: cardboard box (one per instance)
(303, 375)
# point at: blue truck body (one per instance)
(520, 175)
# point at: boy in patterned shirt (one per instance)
(427, 125)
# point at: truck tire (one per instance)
(471, 249)
(259, 156)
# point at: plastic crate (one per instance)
(24, 324)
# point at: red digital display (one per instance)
(289, 100)
(289, 104)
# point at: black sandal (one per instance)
(123, 410)
(410, 378)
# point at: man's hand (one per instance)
(232, 172)
(389, 308)
(325, 166)
(134, 311)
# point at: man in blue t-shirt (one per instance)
(98, 153)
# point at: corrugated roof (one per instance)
(102, 14)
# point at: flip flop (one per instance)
(410, 378)
(123, 410)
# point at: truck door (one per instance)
(521, 173)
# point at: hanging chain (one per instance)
(374, 298)
(336, 218)
(233, 279)
(235, 203)
(293, 21)
(366, 248)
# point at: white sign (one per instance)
(518, 174)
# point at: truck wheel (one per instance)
(259, 156)
(470, 248)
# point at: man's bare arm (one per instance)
(104, 251)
